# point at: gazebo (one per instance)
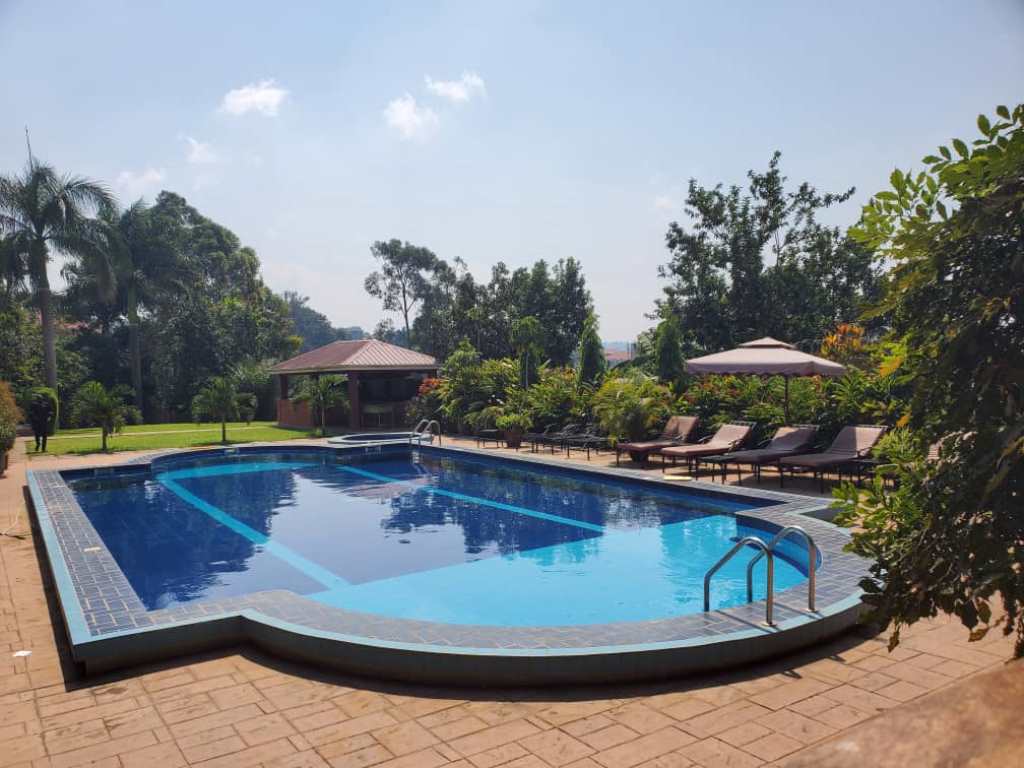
(382, 379)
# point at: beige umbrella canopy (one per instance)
(765, 357)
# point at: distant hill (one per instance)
(313, 327)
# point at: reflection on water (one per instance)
(384, 520)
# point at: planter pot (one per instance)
(513, 438)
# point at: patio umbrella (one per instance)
(765, 357)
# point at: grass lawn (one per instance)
(142, 437)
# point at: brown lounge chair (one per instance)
(787, 441)
(851, 443)
(728, 438)
(677, 431)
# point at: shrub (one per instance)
(631, 407)
(8, 436)
(9, 411)
(43, 410)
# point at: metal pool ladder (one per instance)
(425, 427)
(766, 550)
(812, 561)
(759, 543)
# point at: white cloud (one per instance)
(664, 203)
(410, 119)
(264, 97)
(200, 153)
(133, 184)
(458, 91)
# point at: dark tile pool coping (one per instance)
(108, 626)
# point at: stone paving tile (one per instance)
(244, 709)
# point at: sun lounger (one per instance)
(727, 438)
(677, 431)
(787, 441)
(851, 444)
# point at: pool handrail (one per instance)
(812, 561)
(760, 544)
(424, 428)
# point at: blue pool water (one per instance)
(423, 536)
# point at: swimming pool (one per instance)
(441, 546)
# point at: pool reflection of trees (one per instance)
(169, 552)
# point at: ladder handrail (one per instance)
(812, 561)
(759, 543)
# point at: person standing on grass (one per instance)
(41, 417)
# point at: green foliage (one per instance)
(96, 406)
(527, 336)
(592, 365)
(401, 281)
(10, 413)
(8, 436)
(43, 410)
(719, 286)
(470, 385)
(900, 446)
(40, 210)
(951, 538)
(631, 407)
(668, 351)
(220, 400)
(558, 398)
(514, 421)
(323, 393)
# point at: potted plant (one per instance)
(513, 424)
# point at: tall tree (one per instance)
(591, 365)
(402, 278)
(143, 264)
(527, 337)
(44, 213)
(668, 350)
(571, 307)
(719, 285)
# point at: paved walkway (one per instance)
(243, 708)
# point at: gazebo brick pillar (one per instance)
(354, 420)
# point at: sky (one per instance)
(490, 131)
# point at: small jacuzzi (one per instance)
(381, 438)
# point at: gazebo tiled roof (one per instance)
(361, 355)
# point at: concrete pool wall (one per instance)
(108, 627)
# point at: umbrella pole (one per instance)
(786, 380)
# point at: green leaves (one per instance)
(961, 148)
(984, 125)
(1003, 112)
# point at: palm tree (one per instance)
(41, 211)
(12, 271)
(140, 261)
(95, 405)
(323, 393)
(221, 401)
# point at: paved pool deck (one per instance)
(245, 708)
